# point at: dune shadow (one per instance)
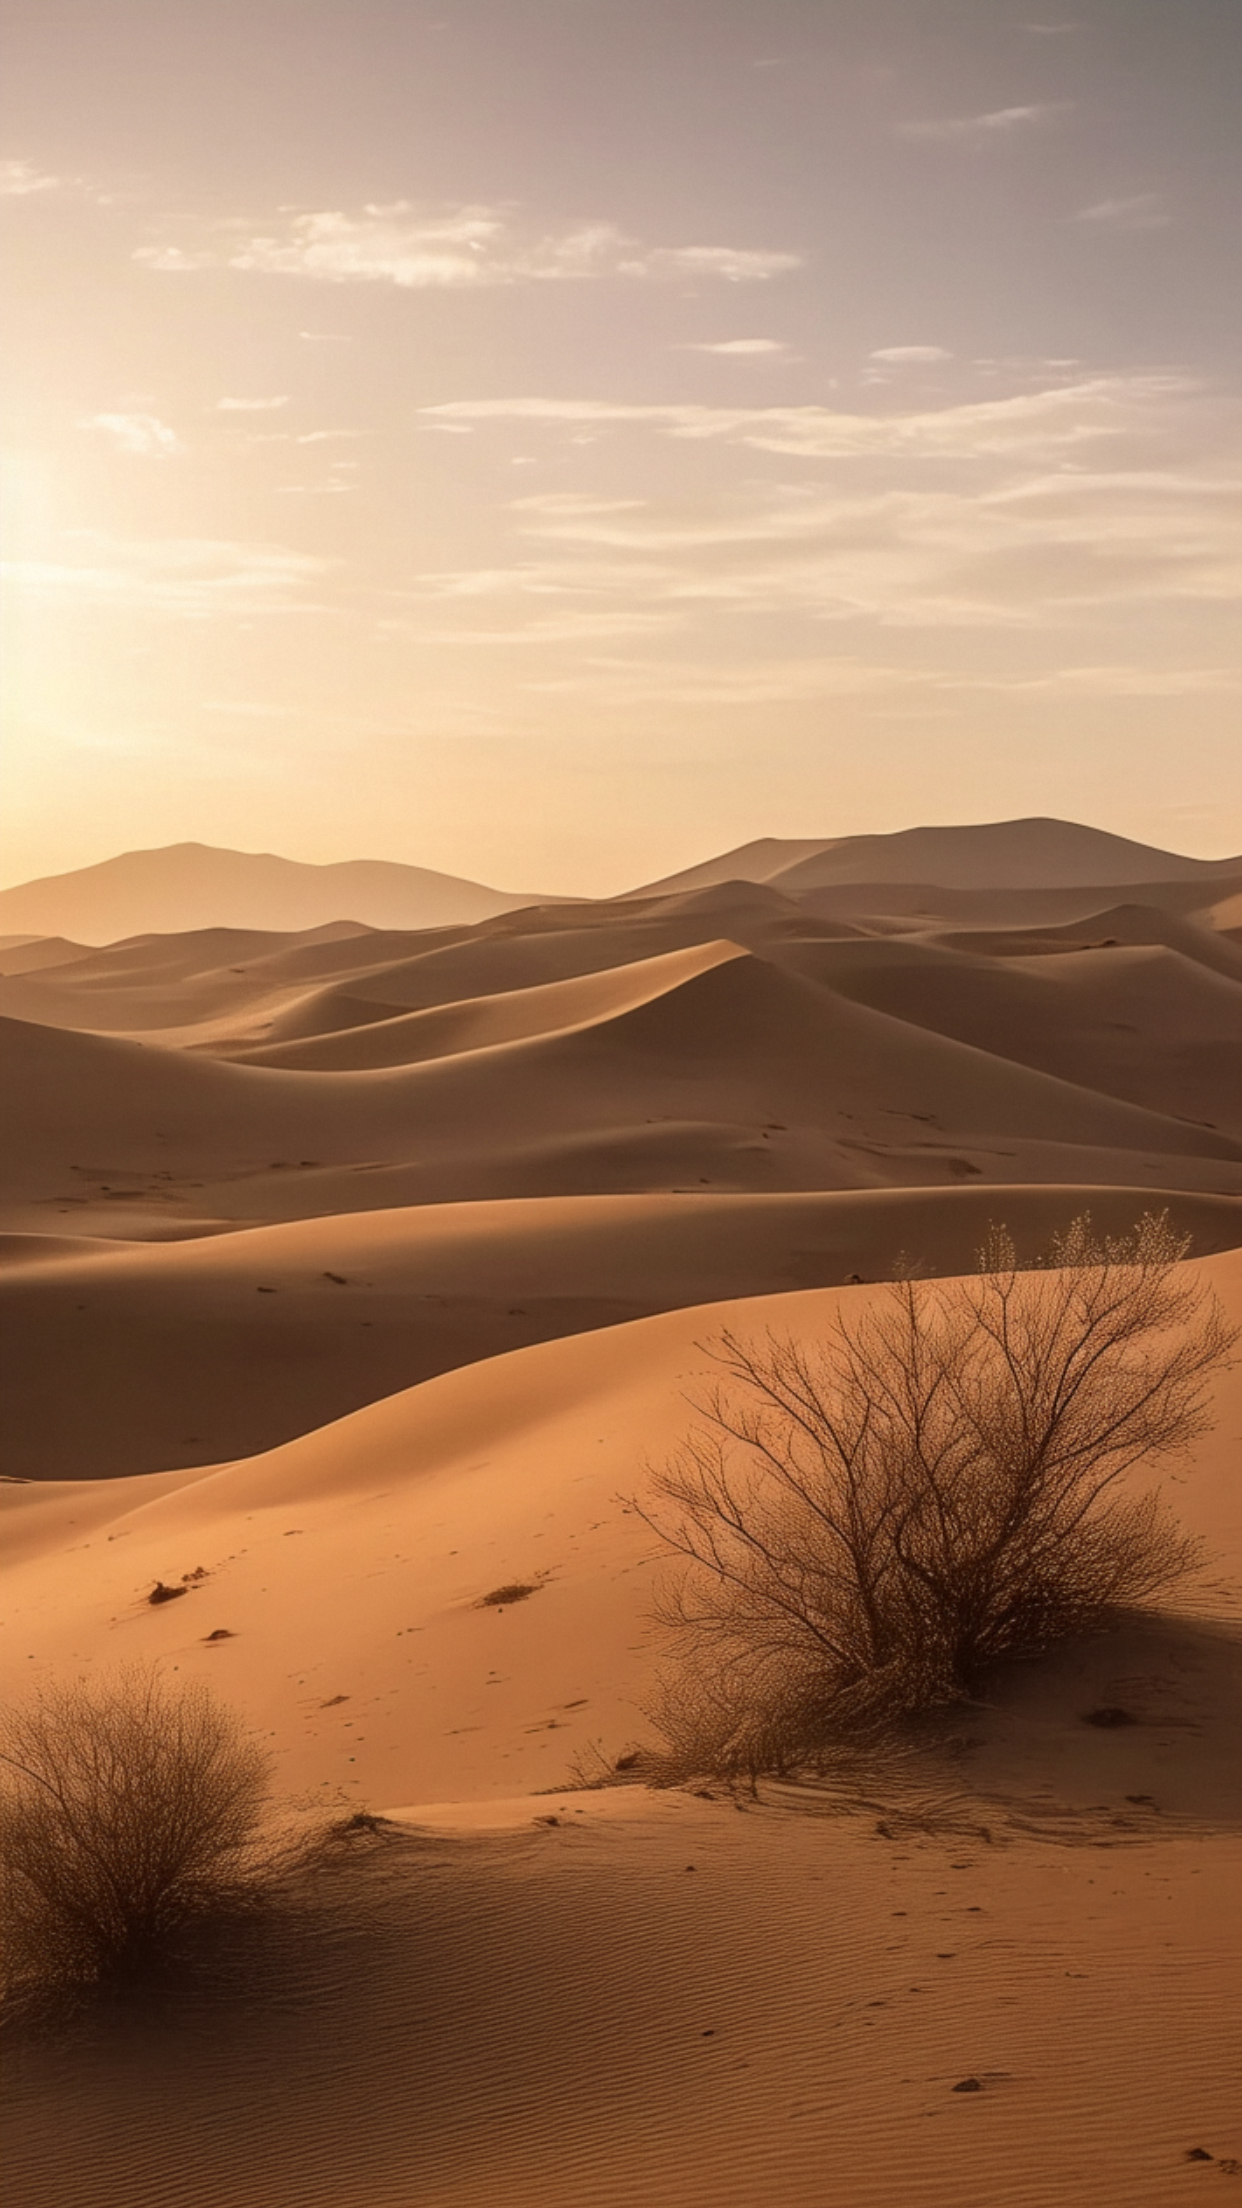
(1134, 1730)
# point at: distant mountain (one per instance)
(1007, 854)
(195, 885)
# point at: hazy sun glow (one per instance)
(551, 441)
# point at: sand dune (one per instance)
(172, 984)
(1010, 854)
(368, 1269)
(259, 1335)
(194, 885)
(1118, 924)
(1225, 915)
(518, 1997)
(405, 1514)
(674, 2003)
(711, 1066)
(480, 1023)
(897, 907)
(495, 960)
(1144, 1022)
(29, 954)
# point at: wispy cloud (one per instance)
(1031, 422)
(194, 577)
(572, 625)
(143, 435)
(459, 248)
(1141, 211)
(914, 356)
(806, 679)
(21, 179)
(734, 264)
(998, 123)
(1121, 681)
(251, 406)
(1034, 513)
(740, 347)
(775, 681)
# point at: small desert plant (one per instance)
(128, 1808)
(872, 1523)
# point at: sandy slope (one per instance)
(480, 1023)
(262, 1334)
(1003, 854)
(648, 1998)
(28, 954)
(684, 2005)
(1144, 1022)
(172, 985)
(715, 1067)
(1196, 938)
(405, 1514)
(896, 905)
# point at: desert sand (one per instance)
(348, 1276)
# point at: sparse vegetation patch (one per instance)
(869, 1525)
(129, 1808)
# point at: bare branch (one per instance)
(866, 1526)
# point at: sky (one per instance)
(554, 440)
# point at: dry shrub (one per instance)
(129, 1808)
(871, 1524)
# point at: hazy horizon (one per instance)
(552, 441)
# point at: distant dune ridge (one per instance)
(363, 1236)
(195, 885)
(1009, 854)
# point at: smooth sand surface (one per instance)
(498, 2006)
(350, 1561)
(265, 1333)
(708, 1067)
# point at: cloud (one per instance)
(1142, 211)
(733, 265)
(914, 355)
(1001, 122)
(459, 248)
(740, 346)
(1034, 514)
(571, 625)
(21, 179)
(1042, 421)
(250, 406)
(144, 435)
(715, 683)
(1126, 681)
(193, 577)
